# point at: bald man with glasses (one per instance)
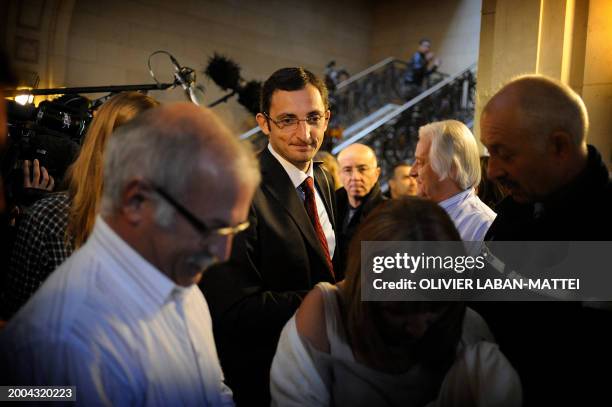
(291, 244)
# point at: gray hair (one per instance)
(166, 150)
(453, 153)
(546, 105)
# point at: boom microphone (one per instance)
(186, 77)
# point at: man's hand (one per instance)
(40, 178)
(431, 59)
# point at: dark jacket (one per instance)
(348, 229)
(419, 69)
(273, 264)
(581, 210)
(558, 348)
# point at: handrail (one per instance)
(366, 71)
(249, 133)
(399, 110)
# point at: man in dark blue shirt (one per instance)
(423, 63)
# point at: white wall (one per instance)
(93, 42)
(109, 41)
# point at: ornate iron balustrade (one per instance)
(363, 94)
(394, 136)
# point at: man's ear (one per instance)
(328, 114)
(133, 197)
(560, 143)
(263, 123)
(377, 173)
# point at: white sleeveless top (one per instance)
(304, 376)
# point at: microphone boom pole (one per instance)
(87, 89)
(223, 99)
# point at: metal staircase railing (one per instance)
(394, 136)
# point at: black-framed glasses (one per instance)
(197, 224)
(291, 122)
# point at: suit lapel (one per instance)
(276, 181)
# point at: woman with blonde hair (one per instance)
(56, 225)
(85, 175)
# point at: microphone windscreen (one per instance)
(224, 72)
(248, 96)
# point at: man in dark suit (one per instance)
(290, 244)
(359, 195)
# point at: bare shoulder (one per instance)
(310, 320)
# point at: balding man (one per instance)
(359, 172)
(122, 318)
(447, 167)
(559, 189)
(535, 130)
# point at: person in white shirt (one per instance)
(339, 350)
(447, 167)
(122, 318)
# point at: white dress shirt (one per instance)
(297, 178)
(111, 324)
(471, 216)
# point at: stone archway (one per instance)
(36, 39)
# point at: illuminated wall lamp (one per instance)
(24, 99)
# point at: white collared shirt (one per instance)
(297, 177)
(111, 324)
(471, 216)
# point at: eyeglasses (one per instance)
(290, 123)
(197, 224)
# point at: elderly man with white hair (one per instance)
(447, 167)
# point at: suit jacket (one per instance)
(347, 230)
(273, 264)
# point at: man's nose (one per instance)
(303, 130)
(356, 175)
(221, 248)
